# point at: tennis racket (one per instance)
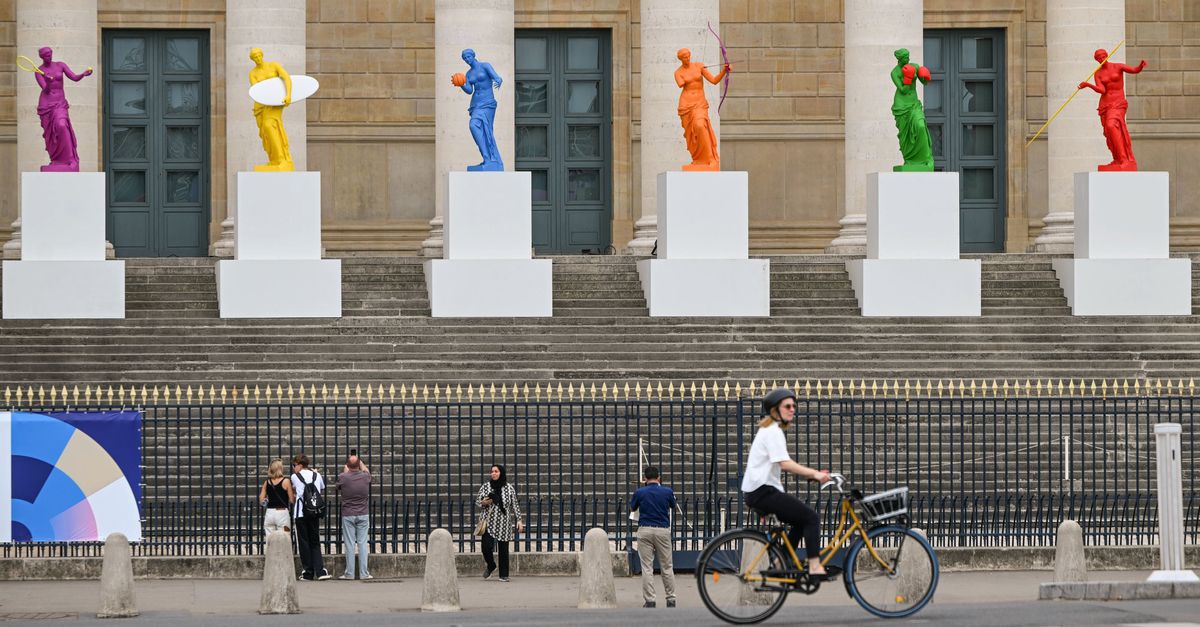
(27, 64)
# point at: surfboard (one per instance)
(271, 91)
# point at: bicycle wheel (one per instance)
(725, 592)
(903, 583)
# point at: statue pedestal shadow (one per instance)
(703, 266)
(277, 270)
(488, 269)
(1122, 264)
(62, 273)
(912, 266)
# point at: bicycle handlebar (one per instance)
(837, 481)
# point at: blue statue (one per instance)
(478, 82)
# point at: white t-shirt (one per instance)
(769, 448)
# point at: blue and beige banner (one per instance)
(72, 476)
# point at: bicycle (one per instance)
(744, 575)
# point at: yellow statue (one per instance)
(269, 118)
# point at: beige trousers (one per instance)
(651, 541)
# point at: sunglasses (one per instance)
(788, 406)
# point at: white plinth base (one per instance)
(64, 289)
(1181, 576)
(294, 288)
(490, 288)
(706, 287)
(279, 216)
(917, 287)
(1126, 287)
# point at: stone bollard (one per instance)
(915, 569)
(1070, 565)
(116, 579)
(596, 586)
(440, 593)
(279, 577)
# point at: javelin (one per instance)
(1089, 77)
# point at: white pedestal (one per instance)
(62, 273)
(912, 266)
(488, 270)
(1122, 265)
(703, 266)
(277, 270)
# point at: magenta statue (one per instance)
(52, 109)
(1110, 84)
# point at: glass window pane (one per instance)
(977, 53)
(533, 142)
(583, 53)
(978, 184)
(933, 54)
(183, 187)
(978, 140)
(183, 143)
(531, 97)
(583, 97)
(129, 98)
(935, 136)
(933, 97)
(129, 187)
(583, 142)
(977, 97)
(129, 54)
(183, 54)
(541, 185)
(583, 186)
(531, 54)
(183, 98)
(128, 143)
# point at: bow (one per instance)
(725, 62)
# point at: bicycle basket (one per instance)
(886, 505)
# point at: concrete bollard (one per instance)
(1070, 564)
(279, 577)
(440, 593)
(596, 586)
(915, 569)
(116, 579)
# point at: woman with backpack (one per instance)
(276, 496)
(501, 519)
(310, 508)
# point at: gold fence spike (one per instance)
(1071, 388)
(841, 389)
(87, 394)
(153, 394)
(8, 396)
(425, 392)
(20, 395)
(1158, 387)
(737, 389)
(391, 392)
(266, 393)
(166, 394)
(54, 395)
(537, 391)
(524, 392)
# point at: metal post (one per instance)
(1170, 504)
(1066, 439)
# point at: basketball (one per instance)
(459, 79)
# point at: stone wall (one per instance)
(8, 118)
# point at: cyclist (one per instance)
(762, 485)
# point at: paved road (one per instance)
(962, 600)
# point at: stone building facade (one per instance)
(789, 119)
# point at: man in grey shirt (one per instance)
(354, 484)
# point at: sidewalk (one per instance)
(200, 597)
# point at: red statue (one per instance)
(1110, 84)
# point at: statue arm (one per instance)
(1098, 88)
(679, 78)
(1135, 69)
(494, 75)
(42, 81)
(73, 76)
(714, 79)
(287, 83)
(896, 80)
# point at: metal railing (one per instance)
(984, 471)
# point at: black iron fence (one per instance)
(983, 472)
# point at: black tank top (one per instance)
(276, 495)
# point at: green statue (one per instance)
(915, 143)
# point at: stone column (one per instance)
(874, 30)
(70, 28)
(667, 26)
(278, 27)
(1074, 29)
(488, 28)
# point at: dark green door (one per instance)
(156, 140)
(964, 106)
(563, 136)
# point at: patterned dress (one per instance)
(501, 524)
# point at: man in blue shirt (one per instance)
(654, 502)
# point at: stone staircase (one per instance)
(600, 333)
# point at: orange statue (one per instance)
(693, 112)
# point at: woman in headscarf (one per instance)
(499, 502)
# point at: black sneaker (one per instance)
(487, 573)
(648, 604)
(504, 580)
(670, 603)
(324, 575)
